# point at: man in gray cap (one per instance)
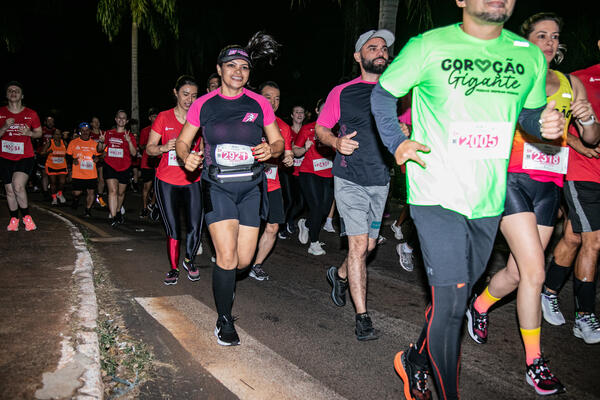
(361, 178)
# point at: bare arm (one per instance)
(274, 145)
(183, 146)
(581, 109)
(343, 144)
(154, 149)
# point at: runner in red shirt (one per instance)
(119, 146)
(270, 90)
(148, 166)
(18, 125)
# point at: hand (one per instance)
(405, 129)
(102, 137)
(262, 152)
(127, 137)
(582, 149)
(307, 145)
(170, 145)
(193, 161)
(407, 150)
(582, 109)
(25, 131)
(288, 158)
(76, 161)
(345, 145)
(9, 122)
(552, 122)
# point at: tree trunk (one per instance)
(135, 108)
(388, 11)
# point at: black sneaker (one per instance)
(225, 332)
(544, 382)
(477, 323)
(114, 222)
(413, 376)
(88, 213)
(120, 218)
(283, 234)
(172, 277)
(339, 287)
(258, 273)
(144, 213)
(364, 328)
(192, 270)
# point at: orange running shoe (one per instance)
(13, 225)
(100, 201)
(29, 224)
(413, 376)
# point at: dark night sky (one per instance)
(70, 69)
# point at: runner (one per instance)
(471, 82)
(176, 187)
(118, 145)
(315, 181)
(213, 82)
(148, 167)
(56, 166)
(232, 119)
(535, 174)
(361, 178)
(581, 239)
(18, 125)
(85, 156)
(95, 134)
(270, 90)
(48, 129)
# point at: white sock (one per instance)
(329, 221)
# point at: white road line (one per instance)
(250, 371)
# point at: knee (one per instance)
(271, 229)
(572, 239)
(591, 242)
(535, 277)
(228, 260)
(18, 189)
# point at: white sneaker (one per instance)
(587, 328)
(61, 198)
(315, 249)
(550, 309)
(199, 250)
(397, 231)
(406, 259)
(122, 210)
(302, 231)
(54, 202)
(328, 227)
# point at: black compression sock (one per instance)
(585, 295)
(556, 276)
(24, 211)
(223, 288)
(14, 214)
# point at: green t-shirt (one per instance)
(467, 96)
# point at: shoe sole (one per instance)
(316, 253)
(470, 329)
(170, 283)
(330, 278)
(190, 277)
(372, 336)
(539, 391)
(550, 321)
(222, 343)
(578, 334)
(400, 370)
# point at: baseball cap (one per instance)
(233, 53)
(84, 125)
(381, 33)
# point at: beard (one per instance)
(369, 65)
(497, 18)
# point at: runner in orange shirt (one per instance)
(56, 166)
(85, 174)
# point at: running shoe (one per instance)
(406, 259)
(100, 201)
(587, 328)
(413, 376)
(283, 235)
(328, 227)
(290, 228)
(54, 201)
(200, 250)
(29, 224)
(477, 323)
(225, 332)
(258, 273)
(550, 309)
(144, 213)
(315, 249)
(88, 213)
(544, 382)
(192, 270)
(381, 240)
(338, 287)
(397, 231)
(172, 277)
(303, 231)
(120, 217)
(61, 198)
(213, 259)
(13, 225)
(364, 328)
(114, 222)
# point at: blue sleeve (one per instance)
(383, 107)
(529, 119)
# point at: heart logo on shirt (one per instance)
(483, 65)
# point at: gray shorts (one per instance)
(361, 207)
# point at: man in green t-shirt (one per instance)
(471, 83)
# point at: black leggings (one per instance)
(295, 205)
(318, 193)
(170, 199)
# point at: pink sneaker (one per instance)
(29, 224)
(13, 225)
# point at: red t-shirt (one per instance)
(95, 136)
(147, 161)
(318, 159)
(117, 150)
(580, 167)
(14, 145)
(272, 166)
(170, 169)
(47, 135)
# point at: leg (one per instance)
(195, 213)
(113, 196)
(89, 200)
(357, 270)
(19, 183)
(585, 272)
(563, 257)
(122, 188)
(266, 242)
(52, 179)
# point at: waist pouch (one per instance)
(242, 173)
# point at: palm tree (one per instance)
(149, 15)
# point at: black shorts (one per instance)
(239, 200)
(276, 210)
(84, 184)
(122, 176)
(583, 199)
(148, 174)
(455, 249)
(9, 167)
(524, 194)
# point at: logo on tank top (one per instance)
(484, 75)
(592, 79)
(250, 117)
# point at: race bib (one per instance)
(13, 147)
(86, 164)
(298, 161)
(115, 153)
(233, 155)
(480, 140)
(271, 171)
(545, 157)
(322, 163)
(57, 160)
(173, 160)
